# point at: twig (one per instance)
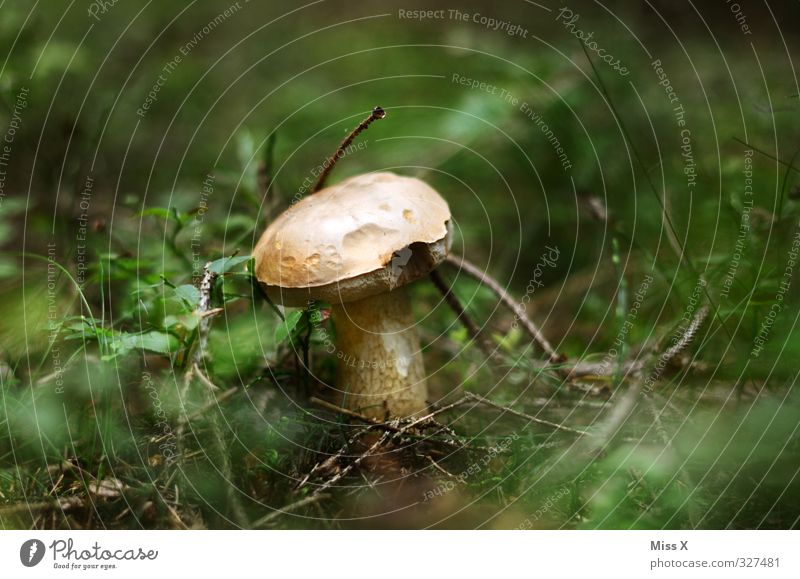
(342, 473)
(218, 435)
(176, 519)
(203, 378)
(768, 155)
(440, 468)
(428, 417)
(63, 504)
(333, 460)
(352, 414)
(474, 271)
(392, 430)
(376, 114)
(311, 499)
(487, 402)
(461, 313)
(203, 309)
(686, 338)
(388, 426)
(210, 313)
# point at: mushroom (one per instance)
(356, 245)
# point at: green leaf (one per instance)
(161, 212)
(271, 457)
(159, 342)
(225, 264)
(186, 322)
(285, 328)
(189, 294)
(168, 214)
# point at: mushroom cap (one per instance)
(366, 235)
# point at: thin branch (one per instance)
(176, 519)
(389, 426)
(219, 446)
(62, 504)
(376, 114)
(203, 310)
(205, 380)
(394, 430)
(768, 155)
(332, 461)
(305, 501)
(440, 468)
(475, 272)
(342, 473)
(352, 414)
(487, 402)
(461, 314)
(686, 338)
(210, 313)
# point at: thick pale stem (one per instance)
(380, 371)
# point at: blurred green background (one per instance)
(148, 139)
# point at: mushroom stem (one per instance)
(380, 371)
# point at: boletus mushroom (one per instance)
(356, 245)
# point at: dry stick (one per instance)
(288, 509)
(440, 468)
(390, 433)
(687, 337)
(474, 271)
(176, 519)
(487, 402)
(205, 380)
(342, 473)
(206, 314)
(397, 431)
(63, 504)
(332, 459)
(352, 414)
(376, 114)
(461, 314)
(203, 309)
(388, 426)
(575, 370)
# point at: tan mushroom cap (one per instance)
(363, 236)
